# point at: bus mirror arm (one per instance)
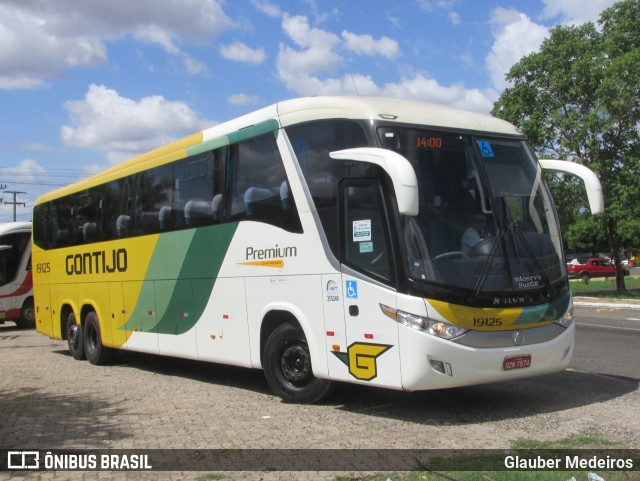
(403, 177)
(590, 179)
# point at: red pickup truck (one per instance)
(585, 269)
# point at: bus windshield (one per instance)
(486, 224)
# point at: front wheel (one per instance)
(27, 315)
(287, 367)
(95, 351)
(75, 340)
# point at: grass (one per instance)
(585, 440)
(606, 288)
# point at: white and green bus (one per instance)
(318, 239)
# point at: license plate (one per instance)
(516, 362)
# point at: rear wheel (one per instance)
(585, 277)
(95, 351)
(287, 367)
(75, 340)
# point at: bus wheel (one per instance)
(287, 367)
(27, 315)
(74, 338)
(95, 351)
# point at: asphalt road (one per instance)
(608, 340)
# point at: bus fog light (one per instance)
(437, 365)
(441, 366)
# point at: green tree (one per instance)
(586, 234)
(578, 98)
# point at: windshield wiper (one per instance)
(484, 273)
(551, 292)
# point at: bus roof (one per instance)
(392, 110)
(9, 227)
(290, 112)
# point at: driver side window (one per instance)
(365, 235)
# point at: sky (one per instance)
(86, 84)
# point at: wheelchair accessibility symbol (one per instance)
(352, 289)
(485, 148)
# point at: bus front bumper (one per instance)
(432, 363)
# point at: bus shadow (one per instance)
(201, 371)
(456, 406)
(489, 402)
(48, 420)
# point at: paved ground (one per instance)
(49, 400)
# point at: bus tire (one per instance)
(27, 315)
(75, 340)
(287, 367)
(96, 352)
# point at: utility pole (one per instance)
(14, 203)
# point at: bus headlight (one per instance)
(567, 319)
(440, 329)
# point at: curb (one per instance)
(607, 303)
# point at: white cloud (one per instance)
(27, 170)
(431, 5)
(239, 52)
(242, 99)
(41, 39)
(301, 69)
(515, 36)
(317, 53)
(417, 87)
(124, 127)
(454, 17)
(575, 12)
(24, 175)
(267, 8)
(298, 29)
(366, 45)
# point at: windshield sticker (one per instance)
(362, 230)
(366, 247)
(485, 148)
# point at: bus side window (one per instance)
(312, 142)
(198, 190)
(366, 245)
(154, 190)
(11, 249)
(258, 185)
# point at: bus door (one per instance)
(372, 353)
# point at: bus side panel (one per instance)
(116, 306)
(373, 354)
(299, 295)
(335, 332)
(140, 327)
(97, 295)
(42, 307)
(61, 295)
(222, 334)
(175, 306)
